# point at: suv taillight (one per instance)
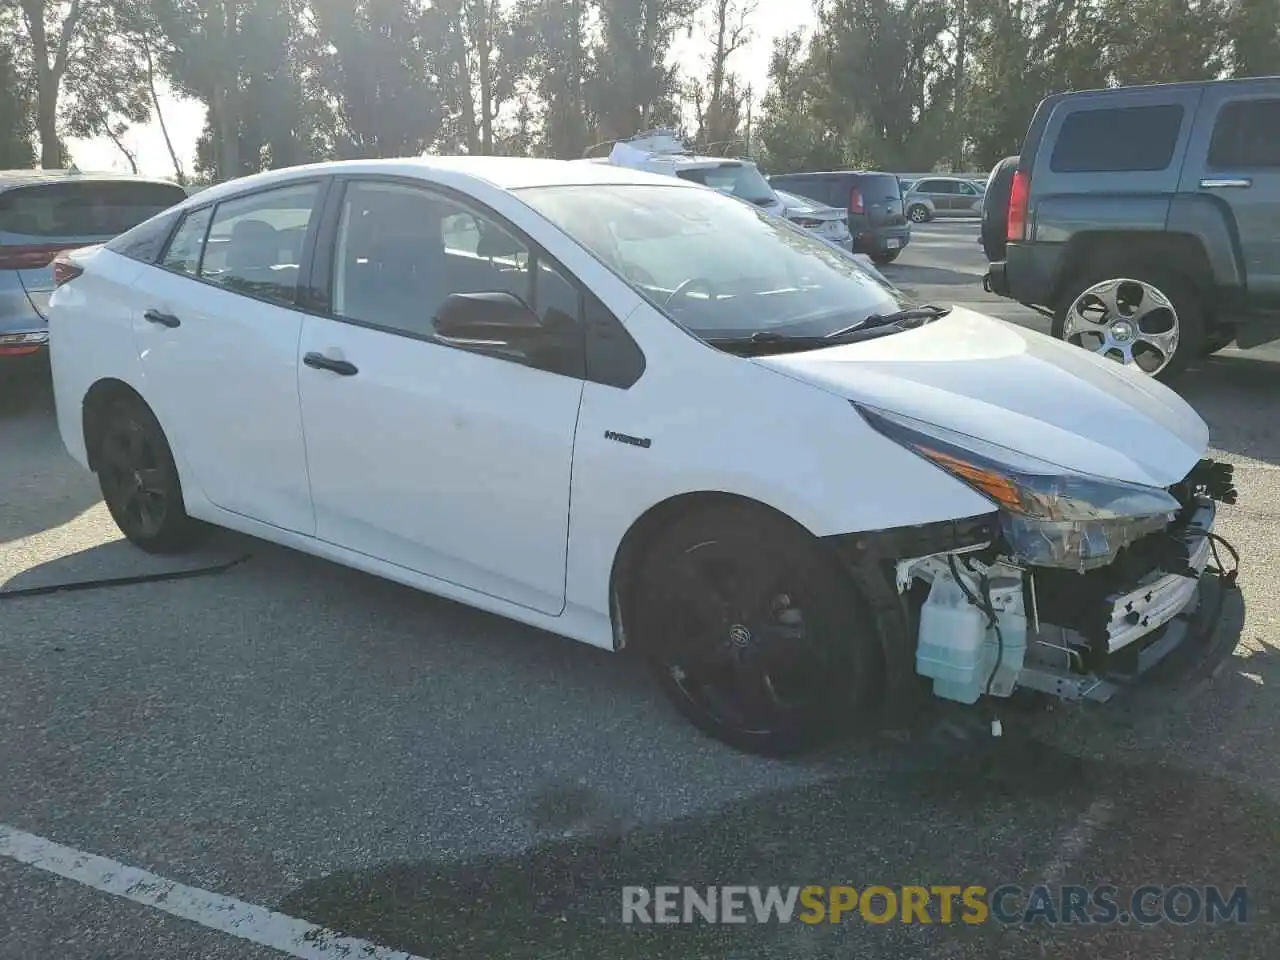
(64, 271)
(1019, 193)
(855, 201)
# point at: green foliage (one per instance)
(895, 84)
(17, 107)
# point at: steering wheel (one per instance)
(687, 285)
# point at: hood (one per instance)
(1023, 390)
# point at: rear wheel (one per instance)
(918, 213)
(883, 258)
(1145, 317)
(753, 633)
(139, 480)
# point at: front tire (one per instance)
(1145, 317)
(753, 633)
(139, 480)
(919, 213)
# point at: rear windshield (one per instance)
(879, 186)
(83, 209)
(741, 180)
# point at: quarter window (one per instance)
(255, 242)
(1246, 135)
(1117, 140)
(183, 255)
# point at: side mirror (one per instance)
(496, 316)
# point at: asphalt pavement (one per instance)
(313, 752)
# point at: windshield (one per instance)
(741, 180)
(718, 267)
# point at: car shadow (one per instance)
(1232, 392)
(41, 487)
(118, 562)
(1023, 812)
(905, 275)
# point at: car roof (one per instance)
(23, 178)
(505, 173)
(834, 173)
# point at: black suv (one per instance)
(1146, 220)
(873, 200)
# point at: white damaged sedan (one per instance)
(639, 413)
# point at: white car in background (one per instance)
(637, 413)
(662, 152)
(820, 219)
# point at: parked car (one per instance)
(43, 212)
(1144, 218)
(662, 151)
(935, 197)
(829, 223)
(639, 413)
(873, 201)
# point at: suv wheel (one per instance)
(1145, 318)
(918, 213)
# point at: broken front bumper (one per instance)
(1116, 639)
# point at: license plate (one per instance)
(892, 244)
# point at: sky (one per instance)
(185, 118)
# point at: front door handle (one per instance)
(163, 319)
(1209, 184)
(344, 368)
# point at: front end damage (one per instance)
(980, 621)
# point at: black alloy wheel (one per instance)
(139, 480)
(754, 633)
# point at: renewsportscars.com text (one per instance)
(940, 904)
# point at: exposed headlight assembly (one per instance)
(1049, 516)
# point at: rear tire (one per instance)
(919, 213)
(884, 258)
(139, 480)
(753, 633)
(1139, 289)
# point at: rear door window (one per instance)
(83, 208)
(1117, 139)
(255, 242)
(1246, 135)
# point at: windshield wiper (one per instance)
(904, 318)
(869, 328)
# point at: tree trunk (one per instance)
(155, 104)
(962, 37)
(223, 103)
(227, 134)
(46, 86)
(483, 54)
(119, 144)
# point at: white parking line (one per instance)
(245, 921)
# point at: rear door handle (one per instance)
(163, 319)
(343, 368)
(1210, 184)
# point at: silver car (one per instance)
(829, 223)
(45, 211)
(943, 197)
